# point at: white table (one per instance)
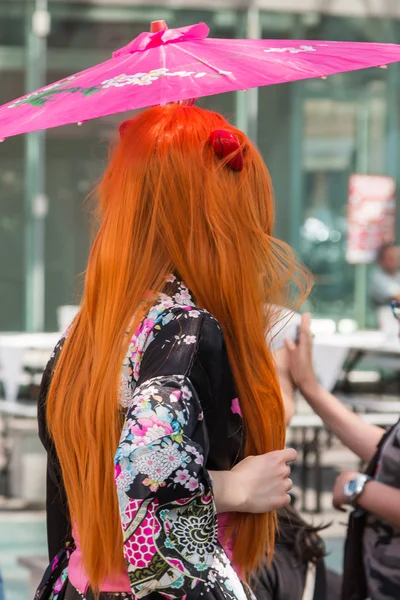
(332, 350)
(13, 347)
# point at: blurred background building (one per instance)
(312, 134)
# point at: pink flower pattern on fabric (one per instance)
(145, 334)
(235, 407)
(150, 428)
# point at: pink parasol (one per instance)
(179, 64)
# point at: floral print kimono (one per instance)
(182, 420)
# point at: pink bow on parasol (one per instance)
(172, 65)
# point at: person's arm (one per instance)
(257, 484)
(281, 357)
(360, 437)
(382, 500)
(378, 498)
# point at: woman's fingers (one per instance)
(289, 455)
(265, 480)
(290, 345)
(284, 501)
(288, 485)
(305, 326)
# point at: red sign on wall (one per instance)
(371, 216)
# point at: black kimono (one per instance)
(182, 419)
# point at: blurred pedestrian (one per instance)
(372, 565)
(140, 463)
(384, 284)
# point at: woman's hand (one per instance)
(264, 481)
(300, 358)
(258, 484)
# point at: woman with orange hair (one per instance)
(139, 407)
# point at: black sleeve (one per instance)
(58, 524)
(211, 374)
(207, 366)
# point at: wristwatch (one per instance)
(355, 487)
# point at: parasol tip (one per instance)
(156, 26)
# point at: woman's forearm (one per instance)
(226, 492)
(360, 437)
(381, 500)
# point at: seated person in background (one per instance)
(372, 557)
(384, 285)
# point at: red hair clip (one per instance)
(225, 143)
(123, 126)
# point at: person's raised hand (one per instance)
(262, 483)
(300, 357)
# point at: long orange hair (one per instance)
(167, 203)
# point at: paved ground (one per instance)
(23, 534)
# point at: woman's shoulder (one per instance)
(179, 335)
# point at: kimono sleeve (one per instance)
(165, 496)
(57, 516)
